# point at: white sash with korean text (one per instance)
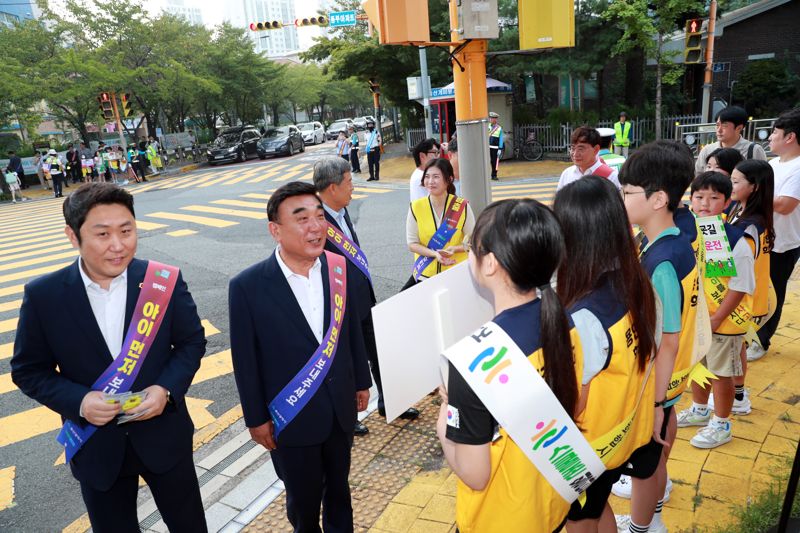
(522, 403)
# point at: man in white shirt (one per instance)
(584, 150)
(785, 143)
(731, 121)
(424, 151)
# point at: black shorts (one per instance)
(644, 461)
(596, 497)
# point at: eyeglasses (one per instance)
(578, 149)
(625, 193)
(433, 152)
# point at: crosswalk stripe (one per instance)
(8, 325)
(240, 203)
(34, 253)
(38, 260)
(6, 385)
(46, 210)
(32, 273)
(10, 306)
(195, 182)
(212, 366)
(257, 195)
(245, 175)
(225, 211)
(531, 186)
(6, 350)
(204, 221)
(289, 175)
(28, 424)
(268, 174)
(219, 180)
(24, 224)
(14, 289)
(371, 190)
(35, 248)
(181, 233)
(30, 237)
(147, 226)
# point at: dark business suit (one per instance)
(159, 449)
(270, 342)
(366, 303)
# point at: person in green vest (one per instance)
(623, 135)
(609, 158)
(495, 142)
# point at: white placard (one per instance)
(414, 327)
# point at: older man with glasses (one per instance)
(583, 150)
(424, 151)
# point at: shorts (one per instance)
(724, 356)
(644, 461)
(596, 496)
(13, 186)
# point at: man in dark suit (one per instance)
(57, 363)
(280, 311)
(334, 185)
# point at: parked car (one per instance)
(313, 132)
(286, 140)
(234, 144)
(336, 127)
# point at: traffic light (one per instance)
(106, 106)
(546, 24)
(313, 21)
(374, 86)
(399, 22)
(693, 42)
(268, 25)
(125, 98)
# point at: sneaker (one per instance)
(740, 407)
(624, 522)
(689, 417)
(755, 351)
(712, 437)
(622, 488)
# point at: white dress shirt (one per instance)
(415, 188)
(573, 173)
(108, 307)
(338, 216)
(309, 293)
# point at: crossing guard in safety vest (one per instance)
(605, 154)
(623, 136)
(496, 143)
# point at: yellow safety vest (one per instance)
(422, 210)
(621, 132)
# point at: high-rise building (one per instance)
(184, 9)
(13, 12)
(272, 43)
(311, 8)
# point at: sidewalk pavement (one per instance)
(400, 482)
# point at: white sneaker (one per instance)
(740, 407)
(623, 487)
(755, 351)
(624, 522)
(712, 436)
(690, 417)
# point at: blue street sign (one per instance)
(342, 18)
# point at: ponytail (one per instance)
(559, 361)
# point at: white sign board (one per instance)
(413, 328)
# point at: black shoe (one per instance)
(410, 414)
(495, 179)
(361, 429)
(372, 179)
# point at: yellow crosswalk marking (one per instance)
(38, 260)
(8, 325)
(257, 196)
(212, 366)
(24, 226)
(195, 182)
(33, 253)
(209, 328)
(198, 411)
(31, 273)
(148, 226)
(245, 175)
(14, 289)
(6, 350)
(10, 306)
(34, 236)
(6, 385)
(358, 196)
(241, 203)
(28, 424)
(7, 487)
(181, 233)
(371, 190)
(532, 186)
(268, 174)
(223, 211)
(59, 239)
(204, 221)
(289, 175)
(307, 176)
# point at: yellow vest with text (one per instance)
(517, 497)
(422, 210)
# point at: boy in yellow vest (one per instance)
(730, 317)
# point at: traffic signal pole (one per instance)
(122, 140)
(709, 71)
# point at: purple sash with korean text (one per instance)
(288, 403)
(349, 249)
(159, 283)
(443, 234)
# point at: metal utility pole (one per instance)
(709, 71)
(426, 91)
(122, 140)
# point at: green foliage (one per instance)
(767, 87)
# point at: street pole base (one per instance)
(793, 527)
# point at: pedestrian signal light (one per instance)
(374, 86)
(693, 42)
(399, 22)
(313, 21)
(106, 106)
(267, 25)
(125, 98)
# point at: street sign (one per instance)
(340, 19)
(721, 67)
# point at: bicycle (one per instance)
(531, 149)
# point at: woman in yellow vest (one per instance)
(517, 246)
(611, 302)
(439, 225)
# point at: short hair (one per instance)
(660, 166)
(716, 181)
(11, 152)
(422, 147)
(734, 114)
(585, 134)
(605, 142)
(329, 171)
(78, 204)
(727, 158)
(789, 122)
(284, 192)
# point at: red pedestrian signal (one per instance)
(693, 42)
(106, 106)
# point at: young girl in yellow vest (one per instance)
(516, 248)
(612, 305)
(440, 213)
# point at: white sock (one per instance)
(700, 408)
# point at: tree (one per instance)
(645, 26)
(767, 87)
